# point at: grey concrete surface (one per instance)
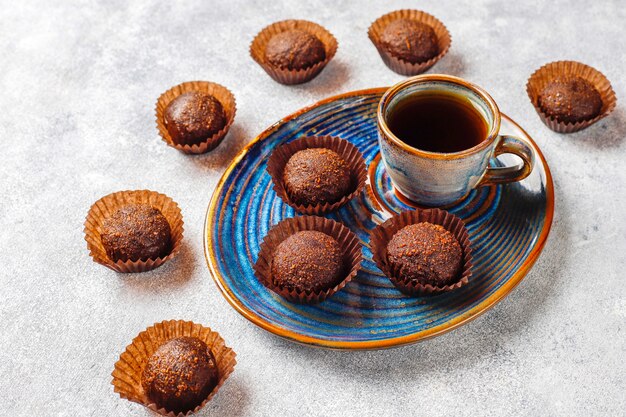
(78, 83)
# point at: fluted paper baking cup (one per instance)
(399, 65)
(109, 204)
(549, 72)
(285, 75)
(346, 150)
(382, 234)
(347, 240)
(221, 93)
(128, 369)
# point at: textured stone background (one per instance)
(78, 85)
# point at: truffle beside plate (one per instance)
(508, 227)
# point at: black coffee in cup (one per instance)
(437, 122)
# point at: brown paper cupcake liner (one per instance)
(128, 369)
(284, 75)
(382, 234)
(280, 156)
(221, 93)
(399, 65)
(107, 205)
(540, 78)
(277, 234)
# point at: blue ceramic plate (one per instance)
(508, 226)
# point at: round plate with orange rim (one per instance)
(508, 227)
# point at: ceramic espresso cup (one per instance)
(437, 179)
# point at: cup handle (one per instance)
(501, 175)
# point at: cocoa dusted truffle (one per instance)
(317, 176)
(136, 232)
(193, 117)
(410, 40)
(295, 50)
(180, 374)
(570, 100)
(308, 261)
(425, 253)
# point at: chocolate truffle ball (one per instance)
(295, 50)
(136, 232)
(570, 100)
(180, 374)
(193, 117)
(308, 261)
(317, 176)
(425, 253)
(410, 40)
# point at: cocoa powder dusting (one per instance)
(136, 232)
(194, 117)
(570, 100)
(425, 253)
(180, 374)
(410, 40)
(308, 261)
(317, 176)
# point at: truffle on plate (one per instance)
(317, 176)
(308, 261)
(180, 374)
(136, 232)
(295, 50)
(570, 100)
(410, 40)
(194, 117)
(425, 253)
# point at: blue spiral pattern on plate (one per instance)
(507, 226)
